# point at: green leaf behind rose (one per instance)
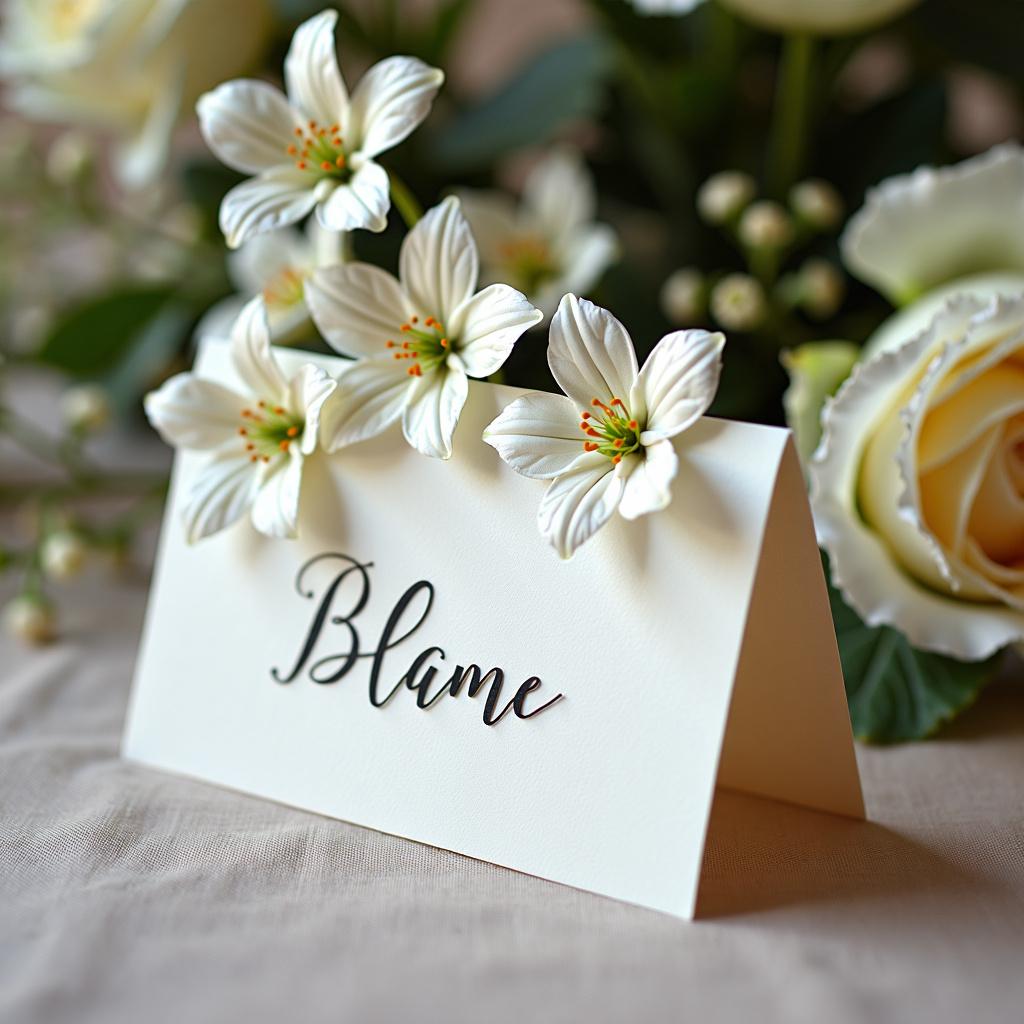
(895, 691)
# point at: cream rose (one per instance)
(918, 483)
(125, 67)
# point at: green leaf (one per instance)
(895, 691)
(561, 84)
(93, 338)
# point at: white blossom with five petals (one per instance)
(417, 338)
(315, 147)
(258, 441)
(608, 444)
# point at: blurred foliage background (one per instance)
(108, 285)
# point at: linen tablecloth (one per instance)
(129, 895)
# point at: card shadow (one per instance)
(763, 855)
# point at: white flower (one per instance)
(816, 203)
(125, 67)
(724, 195)
(607, 445)
(920, 230)
(917, 486)
(258, 440)
(765, 225)
(276, 265)
(63, 555)
(85, 408)
(314, 148)
(824, 17)
(419, 338)
(549, 244)
(30, 618)
(738, 302)
(684, 295)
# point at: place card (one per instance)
(421, 662)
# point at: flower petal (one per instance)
(275, 511)
(390, 101)
(248, 125)
(678, 382)
(492, 219)
(222, 492)
(538, 435)
(816, 369)
(308, 390)
(918, 230)
(251, 353)
(438, 264)
(370, 397)
(590, 353)
(357, 307)
(362, 202)
(270, 201)
(586, 254)
(189, 412)
(311, 72)
(558, 195)
(649, 479)
(487, 326)
(263, 257)
(579, 502)
(432, 411)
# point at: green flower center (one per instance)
(425, 345)
(268, 431)
(320, 150)
(610, 429)
(529, 263)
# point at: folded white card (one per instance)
(421, 662)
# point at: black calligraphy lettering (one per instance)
(401, 624)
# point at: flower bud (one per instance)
(63, 554)
(70, 158)
(817, 204)
(765, 225)
(724, 195)
(683, 296)
(85, 408)
(738, 302)
(30, 619)
(821, 288)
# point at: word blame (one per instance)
(421, 674)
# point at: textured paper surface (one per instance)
(608, 790)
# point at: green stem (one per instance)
(407, 203)
(793, 96)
